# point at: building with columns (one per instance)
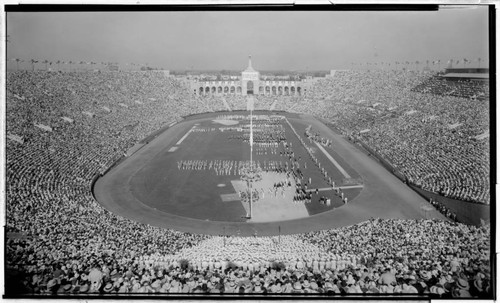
(250, 83)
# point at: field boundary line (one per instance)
(185, 136)
(337, 165)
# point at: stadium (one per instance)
(368, 182)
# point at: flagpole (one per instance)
(251, 160)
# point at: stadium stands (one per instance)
(61, 241)
(429, 138)
(460, 88)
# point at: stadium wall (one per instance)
(382, 161)
(467, 212)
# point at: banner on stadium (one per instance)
(69, 120)
(15, 138)
(91, 115)
(482, 136)
(44, 127)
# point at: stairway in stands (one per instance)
(250, 102)
(226, 104)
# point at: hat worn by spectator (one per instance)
(350, 280)
(425, 275)
(67, 287)
(276, 289)
(305, 284)
(437, 290)
(462, 284)
(84, 288)
(297, 286)
(478, 284)
(108, 287)
(51, 283)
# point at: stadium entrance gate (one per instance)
(250, 88)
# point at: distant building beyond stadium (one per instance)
(250, 83)
(472, 74)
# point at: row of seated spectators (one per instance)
(71, 244)
(425, 257)
(434, 140)
(239, 102)
(474, 90)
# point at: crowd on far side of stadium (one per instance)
(436, 140)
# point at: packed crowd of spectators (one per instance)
(263, 102)
(443, 209)
(213, 103)
(430, 258)
(434, 140)
(474, 90)
(70, 244)
(235, 102)
(48, 173)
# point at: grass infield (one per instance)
(149, 186)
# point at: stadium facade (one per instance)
(250, 83)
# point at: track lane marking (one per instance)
(185, 136)
(337, 165)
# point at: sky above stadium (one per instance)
(204, 40)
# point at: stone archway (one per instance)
(250, 88)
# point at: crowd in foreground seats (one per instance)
(70, 244)
(439, 143)
(421, 258)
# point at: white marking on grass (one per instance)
(337, 165)
(226, 122)
(341, 187)
(185, 136)
(230, 197)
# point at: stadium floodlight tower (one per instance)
(251, 173)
